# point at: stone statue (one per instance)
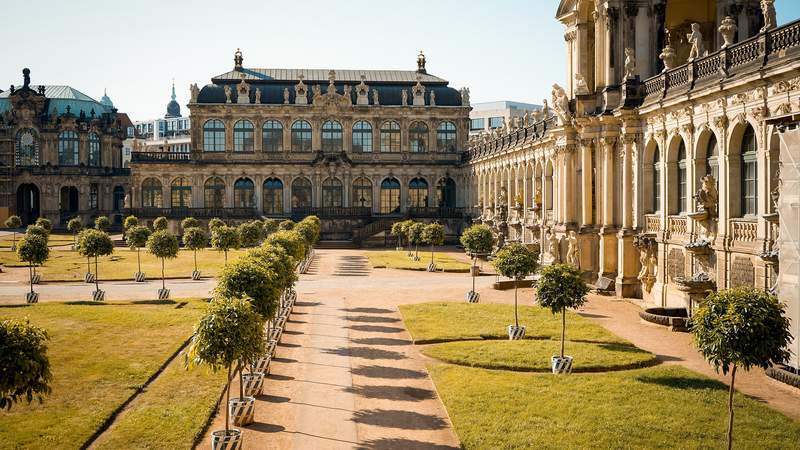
(552, 245)
(545, 110)
(404, 97)
(728, 30)
(227, 94)
(526, 119)
(503, 199)
(581, 88)
(316, 91)
(258, 95)
(375, 97)
(573, 250)
(194, 92)
(630, 64)
(465, 96)
(695, 39)
(561, 104)
(285, 96)
(26, 78)
(768, 10)
(707, 196)
(668, 54)
(127, 200)
(433, 98)
(537, 198)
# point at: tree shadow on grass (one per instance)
(400, 393)
(154, 302)
(16, 305)
(389, 373)
(381, 341)
(375, 328)
(404, 420)
(372, 319)
(683, 383)
(86, 303)
(404, 444)
(365, 353)
(621, 348)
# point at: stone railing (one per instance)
(750, 54)
(333, 212)
(516, 137)
(743, 230)
(676, 226)
(74, 171)
(436, 212)
(652, 223)
(197, 213)
(160, 157)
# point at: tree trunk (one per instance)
(195, 260)
(163, 286)
(226, 256)
(30, 270)
(473, 274)
(227, 402)
(431, 253)
(730, 409)
(96, 275)
(516, 316)
(138, 259)
(88, 265)
(241, 381)
(563, 329)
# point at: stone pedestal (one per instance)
(608, 253)
(627, 283)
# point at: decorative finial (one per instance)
(26, 78)
(173, 89)
(237, 60)
(421, 63)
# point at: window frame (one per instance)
(391, 137)
(332, 136)
(214, 136)
(68, 141)
(446, 137)
(272, 136)
(302, 138)
(362, 137)
(244, 136)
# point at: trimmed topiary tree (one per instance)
(397, 230)
(39, 231)
(160, 223)
(194, 238)
(515, 261)
(291, 242)
(74, 226)
(560, 287)
(230, 332)
(95, 243)
(89, 278)
(14, 223)
(136, 238)
(102, 223)
(286, 225)
(250, 234)
(215, 223)
(130, 222)
(276, 259)
(415, 231)
(189, 222)
(45, 223)
(270, 226)
(742, 327)
(33, 250)
(163, 245)
(433, 234)
(25, 373)
(477, 241)
(406, 230)
(225, 238)
(250, 279)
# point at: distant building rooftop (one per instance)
(503, 104)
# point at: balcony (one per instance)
(519, 136)
(73, 171)
(676, 226)
(652, 223)
(160, 157)
(333, 212)
(436, 212)
(197, 213)
(743, 230)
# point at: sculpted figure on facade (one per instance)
(227, 90)
(243, 92)
(768, 10)
(668, 54)
(581, 88)
(707, 196)
(695, 39)
(465, 96)
(728, 30)
(573, 250)
(375, 99)
(194, 92)
(258, 95)
(561, 104)
(285, 96)
(433, 98)
(630, 63)
(316, 92)
(552, 245)
(404, 97)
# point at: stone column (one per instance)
(608, 237)
(627, 283)
(569, 187)
(586, 183)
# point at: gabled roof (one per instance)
(321, 75)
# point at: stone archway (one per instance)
(28, 203)
(68, 204)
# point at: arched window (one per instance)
(418, 137)
(119, 198)
(301, 136)
(301, 193)
(331, 192)
(712, 158)
(418, 193)
(181, 193)
(446, 193)
(27, 148)
(94, 150)
(214, 192)
(68, 148)
(152, 194)
(362, 192)
(214, 136)
(244, 193)
(390, 137)
(390, 196)
(657, 180)
(272, 136)
(362, 137)
(243, 136)
(682, 188)
(331, 136)
(749, 176)
(272, 194)
(446, 137)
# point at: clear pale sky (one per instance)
(501, 49)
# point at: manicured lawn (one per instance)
(100, 354)
(657, 407)
(450, 321)
(55, 240)
(534, 355)
(67, 265)
(395, 259)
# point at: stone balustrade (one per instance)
(743, 230)
(676, 226)
(652, 223)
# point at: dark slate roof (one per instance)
(321, 75)
(59, 97)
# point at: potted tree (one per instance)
(515, 261)
(742, 327)
(406, 230)
(286, 225)
(37, 230)
(397, 231)
(136, 238)
(130, 222)
(250, 234)
(33, 249)
(194, 238)
(96, 243)
(189, 222)
(433, 234)
(45, 223)
(275, 259)
(560, 287)
(225, 238)
(102, 223)
(163, 245)
(215, 223)
(89, 277)
(292, 242)
(26, 367)
(270, 226)
(229, 332)
(15, 223)
(477, 241)
(74, 226)
(415, 230)
(160, 223)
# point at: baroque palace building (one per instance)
(60, 155)
(656, 168)
(358, 148)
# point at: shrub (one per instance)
(74, 226)
(33, 250)
(215, 223)
(163, 245)
(45, 223)
(397, 230)
(250, 234)
(102, 223)
(247, 278)
(477, 240)
(161, 223)
(433, 234)
(286, 225)
(415, 231)
(517, 262)
(189, 222)
(25, 373)
(194, 238)
(93, 244)
(309, 230)
(13, 222)
(291, 242)
(130, 222)
(225, 238)
(38, 230)
(136, 238)
(560, 287)
(277, 260)
(270, 226)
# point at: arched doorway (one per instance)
(69, 203)
(28, 203)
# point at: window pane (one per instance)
(301, 136)
(301, 193)
(331, 136)
(273, 196)
(243, 136)
(272, 136)
(362, 137)
(418, 137)
(214, 136)
(390, 137)
(446, 137)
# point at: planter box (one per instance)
(472, 297)
(516, 333)
(195, 275)
(163, 294)
(139, 277)
(226, 440)
(253, 383)
(36, 279)
(88, 278)
(561, 365)
(261, 365)
(32, 297)
(98, 295)
(242, 410)
(431, 267)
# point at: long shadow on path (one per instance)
(404, 420)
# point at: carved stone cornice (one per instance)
(721, 123)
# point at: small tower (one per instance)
(173, 108)
(237, 60)
(421, 63)
(106, 101)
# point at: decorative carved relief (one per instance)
(675, 263)
(742, 272)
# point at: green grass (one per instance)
(55, 240)
(534, 355)
(657, 407)
(100, 354)
(450, 321)
(395, 259)
(67, 265)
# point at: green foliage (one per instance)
(291, 242)
(247, 278)
(215, 223)
(102, 223)
(398, 230)
(136, 236)
(225, 238)
(229, 331)
(477, 240)
(561, 287)
(189, 222)
(33, 249)
(286, 225)
(74, 225)
(309, 229)
(515, 261)
(194, 238)
(13, 222)
(163, 244)
(270, 226)
(250, 234)
(433, 234)
(414, 232)
(45, 223)
(160, 223)
(406, 227)
(741, 327)
(130, 222)
(38, 230)
(277, 260)
(24, 365)
(94, 243)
